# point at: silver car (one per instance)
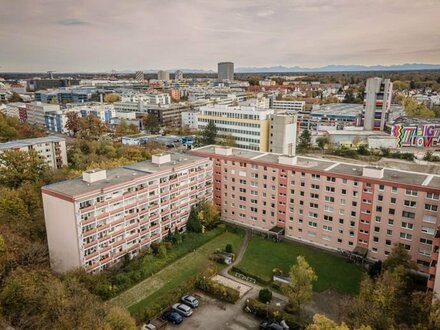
(182, 309)
(190, 301)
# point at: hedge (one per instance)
(256, 278)
(218, 290)
(266, 311)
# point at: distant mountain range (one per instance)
(341, 68)
(327, 68)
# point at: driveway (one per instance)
(215, 315)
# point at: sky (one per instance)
(105, 35)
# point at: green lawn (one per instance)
(333, 272)
(150, 291)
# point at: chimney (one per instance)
(94, 175)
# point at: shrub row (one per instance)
(264, 311)
(218, 290)
(256, 278)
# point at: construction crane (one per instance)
(50, 73)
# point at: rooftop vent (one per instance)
(287, 160)
(161, 159)
(372, 172)
(94, 175)
(225, 151)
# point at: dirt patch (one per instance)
(243, 289)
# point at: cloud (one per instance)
(72, 21)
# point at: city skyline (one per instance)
(79, 36)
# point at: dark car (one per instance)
(173, 317)
(190, 301)
(270, 326)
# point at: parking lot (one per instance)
(215, 315)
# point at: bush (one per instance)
(265, 295)
(229, 248)
(162, 251)
(218, 290)
(256, 278)
(264, 311)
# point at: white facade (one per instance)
(289, 105)
(36, 112)
(189, 119)
(52, 149)
(163, 75)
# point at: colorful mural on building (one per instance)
(423, 136)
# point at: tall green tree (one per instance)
(299, 290)
(209, 134)
(305, 140)
(151, 124)
(193, 224)
(17, 167)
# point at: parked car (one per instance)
(190, 301)
(270, 326)
(173, 317)
(182, 309)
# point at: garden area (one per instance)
(262, 256)
(163, 288)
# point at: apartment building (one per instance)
(94, 221)
(51, 148)
(190, 119)
(163, 75)
(35, 112)
(330, 204)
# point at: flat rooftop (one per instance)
(29, 142)
(337, 167)
(120, 175)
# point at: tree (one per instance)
(151, 123)
(112, 98)
(228, 141)
(265, 295)
(17, 167)
(73, 123)
(320, 322)
(299, 290)
(322, 141)
(209, 134)
(15, 98)
(92, 127)
(208, 214)
(305, 140)
(53, 100)
(193, 224)
(125, 129)
(415, 109)
(177, 236)
(162, 251)
(399, 256)
(229, 248)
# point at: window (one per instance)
(432, 196)
(410, 215)
(328, 218)
(407, 225)
(391, 222)
(329, 199)
(394, 189)
(388, 242)
(406, 236)
(380, 198)
(428, 230)
(327, 228)
(410, 192)
(431, 207)
(391, 211)
(389, 232)
(430, 219)
(381, 187)
(393, 200)
(313, 224)
(409, 203)
(426, 241)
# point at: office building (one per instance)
(163, 75)
(252, 128)
(225, 71)
(52, 149)
(139, 76)
(35, 112)
(178, 75)
(294, 106)
(35, 85)
(377, 103)
(331, 204)
(107, 215)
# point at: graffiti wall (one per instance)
(423, 136)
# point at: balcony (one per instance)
(432, 270)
